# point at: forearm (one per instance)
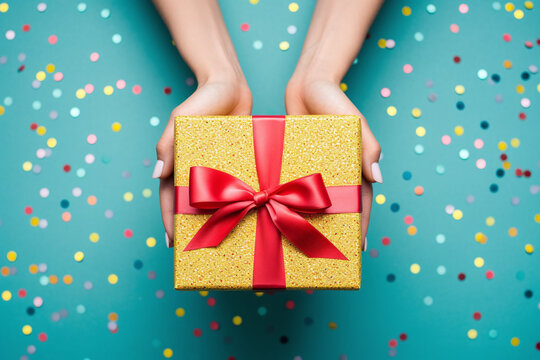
(336, 34)
(201, 37)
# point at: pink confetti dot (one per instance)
(385, 92)
(507, 37)
(463, 8)
(89, 88)
(525, 102)
(94, 56)
(481, 163)
(53, 39)
(244, 27)
(58, 76)
(408, 219)
(38, 301)
(478, 143)
(454, 28)
(446, 139)
(42, 337)
(91, 139)
(390, 44)
(128, 233)
(120, 84)
(407, 68)
(136, 89)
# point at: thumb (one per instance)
(371, 151)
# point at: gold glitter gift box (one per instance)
(325, 144)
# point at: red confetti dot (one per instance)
(477, 315)
(289, 304)
(518, 172)
(392, 343)
(528, 44)
(522, 116)
(115, 330)
(244, 27)
(25, 27)
(42, 337)
(408, 219)
(309, 292)
(457, 59)
(538, 41)
(128, 233)
(67, 168)
(402, 336)
(504, 157)
(507, 37)
(214, 325)
(211, 301)
(167, 90)
(461, 276)
(385, 241)
(527, 173)
(28, 210)
(197, 332)
(21, 68)
(538, 345)
(231, 358)
(33, 126)
(22, 293)
(489, 274)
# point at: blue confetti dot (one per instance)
(499, 173)
(484, 125)
(390, 277)
(407, 175)
(394, 207)
(496, 78)
(493, 188)
(64, 204)
(138, 264)
(460, 105)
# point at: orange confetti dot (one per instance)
(66, 216)
(5, 271)
(53, 279)
(113, 316)
(419, 190)
(33, 269)
(68, 279)
(92, 200)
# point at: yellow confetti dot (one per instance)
(50, 68)
(68, 279)
(237, 320)
(502, 145)
(147, 193)
(416, 113)
(380, 199)
(94, 237)
(108, 90)
(51, 142)
(458, 130)
(6, 295)
(4, 7)
(537, 218)
(40, 75)
(381, 43)
(480, 237)
(520, 89)
(514, 142)
(293, 7)
(459, 89)
(203, 293)
(472, 334)
(512, 232)
(457, 214)
(33, 269)
(411, 230)
(538, 87)
(332, 325)
(528, 5)
(509, 6)
(254, 2)
(80, 93)
(415, 268)
(514, 341)
(259, 293)
(128, 196)
(26, 329)
(41, 130)
(518, 14)
(507, 64)
(116, 127)
(284, 45)
(34, 221)
(343, 87)
(420, 131)
(27, 166)
(112, 278)
(506, 165)
(180, 312)
(11, 256)
(167, 353)
(478, 262)
(406, 11)
(79, 256)
(53, 279)
(490, 221)
(391, 110)
(529, 248)
(2, 110)
(151, 242)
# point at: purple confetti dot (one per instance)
(55, 316)
(432, 97)
(13, 270)
(373, 253)
(21, 57)
(515, 200)
(151, 274)
(499, 98)
(53, 114)
(190, 81)
(470, 199)
(31, 349)
(36, 84)
(3, 59)
(126, 174)
(109, 214)
(63, 313)
(88, 285)
(534, 189)
(112, 326)
(160, 294)
(147, 162)
(429, 83)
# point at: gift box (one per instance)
(267, 202)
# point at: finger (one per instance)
(166, 197)
(367, 198)
(371, 152)
(165, 152)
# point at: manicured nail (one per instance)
(158, 169)
(168, 242)
(365, 244)
(376, 172)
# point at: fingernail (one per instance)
(158, 169)
(365, 244)
(168, 242)
(376, 172)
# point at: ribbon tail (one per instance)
(302, 234)
(269, 266)
(219, 225)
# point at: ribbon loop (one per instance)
(260, 198)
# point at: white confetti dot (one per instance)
(291, 29)
(41, 7)
(76, 191)
(10, 34)
(75, 112)
(44, 192)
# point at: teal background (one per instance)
(367, 320)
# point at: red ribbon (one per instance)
(229, 199)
